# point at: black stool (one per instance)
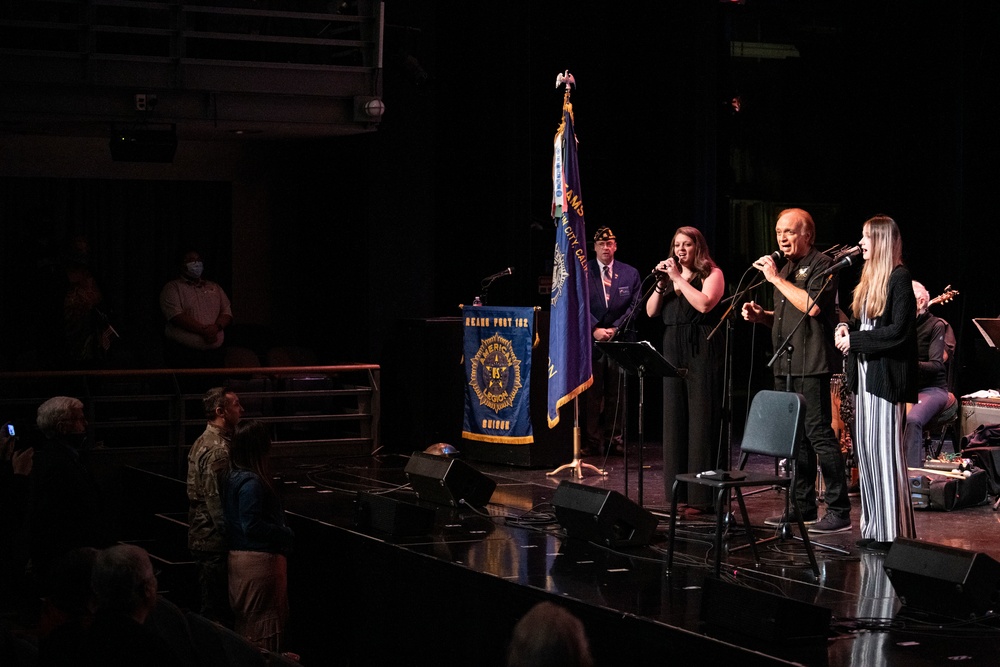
(944, 423)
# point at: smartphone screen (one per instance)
(10, 430)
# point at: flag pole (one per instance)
(577, 464)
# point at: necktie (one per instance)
(607, 284)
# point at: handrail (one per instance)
(242, 370)
(182, 22)
(158, 410)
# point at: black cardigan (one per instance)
(891, 347)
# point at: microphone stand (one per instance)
(786, 348)
(627, 321)
(739, 295)
(736, 298)
(483, 297)
(727, 382)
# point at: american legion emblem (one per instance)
(496, 373)
(559, 275)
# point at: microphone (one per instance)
(506, 272)
(779, 259)
(663, 274)
(847, 259)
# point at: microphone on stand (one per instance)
(506, 272)
(846, 260)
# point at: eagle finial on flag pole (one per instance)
(567, 79)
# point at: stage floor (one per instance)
(516, 538)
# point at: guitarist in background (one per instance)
(935, 347)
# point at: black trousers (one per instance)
(820, 446)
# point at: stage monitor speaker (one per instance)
(944, 581)
(762, 615)
(447, 481)
(603, 516)
(391, 516)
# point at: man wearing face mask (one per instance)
(197, 311)
(65, 509)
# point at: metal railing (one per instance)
(154, 415)
(257, 48)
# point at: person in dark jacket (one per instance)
(935, 348)
(881, 341)
(66, 509)
(614, 290)
(259, 540)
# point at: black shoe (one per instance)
(863, 543)
(832, 523)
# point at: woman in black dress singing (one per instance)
(881, 342)
(687, 297)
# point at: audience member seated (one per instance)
(549, 636)
(935, 347)
(125, 587)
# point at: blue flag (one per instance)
(569, 322)
(498, 343)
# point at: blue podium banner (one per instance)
(497, 350)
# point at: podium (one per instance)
(639, 359)
(550, 446)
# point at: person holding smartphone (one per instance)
(15, 467)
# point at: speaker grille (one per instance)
(602, 516)
(942, 580)
(439, 479)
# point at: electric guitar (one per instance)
(944, 297)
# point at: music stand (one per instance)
(989, 327)
(639, 359)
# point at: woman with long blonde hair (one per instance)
(881, 344)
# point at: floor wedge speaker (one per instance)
(603, 516)
(447, 481)
(944, 581)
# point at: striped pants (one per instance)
(885, 486)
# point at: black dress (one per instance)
(692, 406)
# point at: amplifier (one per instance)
(977, 411)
